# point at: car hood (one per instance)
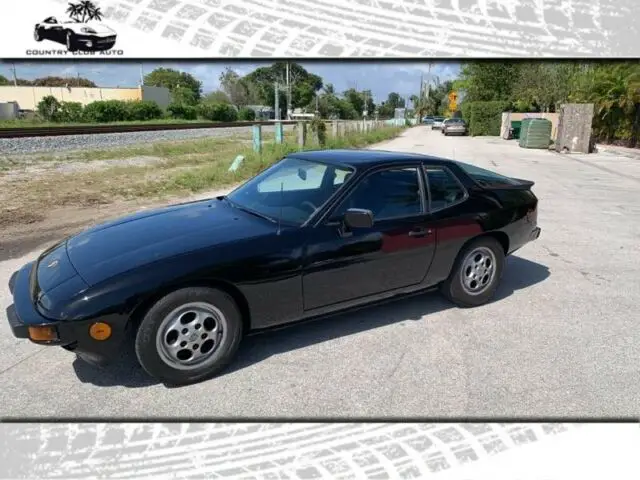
(150, 236)
(97, 27)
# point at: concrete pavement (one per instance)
(561, 339)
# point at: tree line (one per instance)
(232, 99)
(613, 88)
(308, 92)
(50, 82)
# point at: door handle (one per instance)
(420, 232)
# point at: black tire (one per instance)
(452, 288)
(37, 34)
(150, 357)
(72, 44)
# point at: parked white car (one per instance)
(76, 35)
(437, 123)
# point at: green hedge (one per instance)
(465, 111)
(247, 114)
(218, 112)
(107, 111)
(182, 111)
(69, 112)
(485, 118)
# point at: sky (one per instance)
(379, 77)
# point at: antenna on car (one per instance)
(281, 202)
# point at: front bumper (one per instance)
(96, 41)
(72, 335)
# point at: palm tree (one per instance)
(74, 10)
(86, 10)
(615, 92)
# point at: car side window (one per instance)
(445, 189)
(392, 193)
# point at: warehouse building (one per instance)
(26, 98)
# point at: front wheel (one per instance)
(72, 45)
(37, 35)
(189, 335)
(476, 274)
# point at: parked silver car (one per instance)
(455, 126)
(437, 123)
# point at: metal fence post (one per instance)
(279, 132)
(257, 138)
(302, 134)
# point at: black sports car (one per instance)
(76, 35)
(316, 233)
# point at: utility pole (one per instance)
(277, 100)
(288, 91)
(141, 75)
(15, 76)
(364, 110)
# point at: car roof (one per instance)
(366, 158)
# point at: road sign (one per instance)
(453, 96)
(453, 106)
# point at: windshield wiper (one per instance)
(248, 210)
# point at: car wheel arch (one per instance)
(139, 311)
(501, 237)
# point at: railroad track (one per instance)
(56, 131)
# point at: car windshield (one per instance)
(289, 191)
(438, 119)
(486, 177)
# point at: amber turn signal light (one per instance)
(43, 334)
(100, 331)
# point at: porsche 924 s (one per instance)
(316, 233)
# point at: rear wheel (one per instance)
(476, 274)
(189, 335)
(37, 35)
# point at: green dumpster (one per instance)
(536, 133)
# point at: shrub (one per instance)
(49, 108)
(486, 117)
(182, 111)
(465, 111)
(143, 110)
(105, 111)
(246, 114)
(218, 112)
(319, 129)
(70, 112)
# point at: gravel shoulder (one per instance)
(30, 145)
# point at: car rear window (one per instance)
(486, 177)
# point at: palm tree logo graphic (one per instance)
(84, 11)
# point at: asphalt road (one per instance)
(561, 339)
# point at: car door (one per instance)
(396, 252)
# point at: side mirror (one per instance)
(358, 218)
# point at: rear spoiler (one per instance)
(520, 185)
